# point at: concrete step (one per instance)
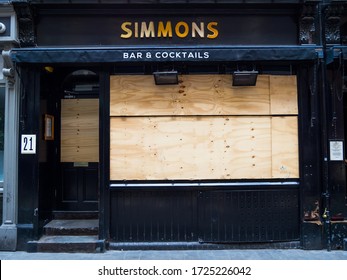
(72, 227)
(67, 244)
(69, 235)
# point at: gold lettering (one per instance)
(164, 31)
(196, 29)
(178, 31)
(125, 28)
(147, 31)
(136, 30)
(211, 27)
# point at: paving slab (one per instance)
(291, 254)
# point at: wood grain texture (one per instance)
(145, 148)
(285, 148)
(137, 95)
(283, 95)
(79, 153)
(203, 128)
(79, 130)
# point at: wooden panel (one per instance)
(137, 95)
(80, 130)
(79, 112)
(79, 154)
(285, 151)
(203, 128)
(86, 137)
(72, 106)
(283, 93)
(190, 148)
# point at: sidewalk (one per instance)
(288, 254)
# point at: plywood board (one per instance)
(283, 95)
(203, 128)
(84, 137)
(79, 112)
(137, 95)
(285, 150)
(190, 148)
(80, 130)
(79, 153)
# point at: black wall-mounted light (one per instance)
(245, 78)
(166, 78)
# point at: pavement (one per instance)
(258, 254)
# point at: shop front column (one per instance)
(8, 229)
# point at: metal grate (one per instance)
(224, 215)
(152, 216)
(249, 216)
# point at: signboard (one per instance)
(100, 55)
(336, 150)
(167, 29)
(28, 144)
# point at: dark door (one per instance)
(79, 154)
(79, 186)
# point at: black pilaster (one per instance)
(28, 165)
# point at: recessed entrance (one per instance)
(79, 154)
(77, 145)
(68, 212)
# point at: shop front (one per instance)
(171, 126)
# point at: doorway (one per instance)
(78, 143)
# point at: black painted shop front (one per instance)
(76, 171)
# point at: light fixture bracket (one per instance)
(245, 78)
(165, 77)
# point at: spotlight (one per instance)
(166, 78)
(245, 78)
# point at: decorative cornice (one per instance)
(332, 24)
(307, 25)
(26, 26)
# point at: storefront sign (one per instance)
(49, 55)
(163, 54)
(28, 144)
(166, 29)
(169, 29)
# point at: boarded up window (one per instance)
(203, 128)
(79, 130)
